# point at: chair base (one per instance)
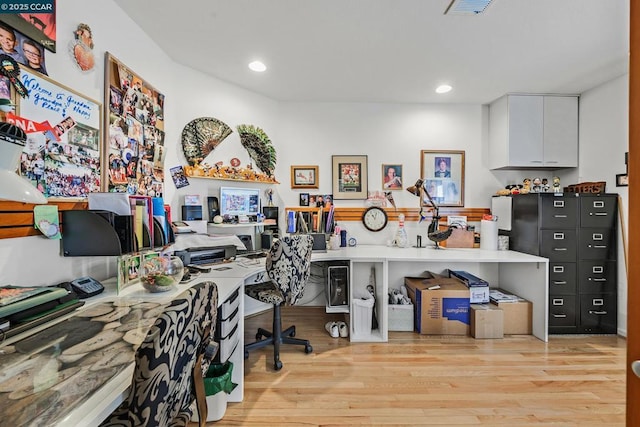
(275, 338)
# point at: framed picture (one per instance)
(64, 156)
(304, 199)
(443, 174)
(622, 180)
(304, 176)
(350, 177)
(392, 177)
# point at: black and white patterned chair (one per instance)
(168, 360)
(288, 266)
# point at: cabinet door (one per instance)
(597, 243)
(598, 211)
(560, 131)
(562, 311)
(597, 277)
(562, 278)
(558, 245)
(598, 313)
(525, 130)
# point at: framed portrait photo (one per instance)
(304, 199)
(443, 174)
(392, 177)
(304, 176)
(350, 177)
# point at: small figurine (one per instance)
(556, 185)
(526, 186)
(537, 185)
(545, 185)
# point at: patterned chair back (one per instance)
(162, 388)
(288, 265)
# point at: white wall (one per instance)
(604, 138)
(302, 133)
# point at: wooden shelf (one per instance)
(410, 214)
(16, 218)
(228, 173)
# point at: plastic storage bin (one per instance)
(400, 317)
(362, 315)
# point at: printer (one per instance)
(207, 255)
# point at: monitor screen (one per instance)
(239, 201)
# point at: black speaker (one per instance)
(246, 239)
(266, 239)
(214, 207)
(191, 213)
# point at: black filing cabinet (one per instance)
(578, 233)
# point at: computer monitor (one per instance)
(239, 201)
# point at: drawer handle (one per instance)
(558, 203)
(598, 269)
(559, 216)
(598, 312)
(559, 316)
(598, 204)
(557, 301)
(558, 236)
(559, 282)
(601, 214)
(558, 269)
(599, 246)
(598, 279)
(559, 249)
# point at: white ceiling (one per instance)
(393, 50)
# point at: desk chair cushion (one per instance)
(162, 388)
(288, 267)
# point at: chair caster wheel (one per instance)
(308, 349)
(258, 336)
(277, 366)
(293, 332)
(246, 354)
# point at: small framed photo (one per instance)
(443, 174)
(622, 180)
(350, 177)
(304, 199)
(392, 177)
(304, 176)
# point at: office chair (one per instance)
(288, 266)
(170, 363)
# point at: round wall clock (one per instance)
(374, 218)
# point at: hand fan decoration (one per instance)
(259, 146)
(201, 136)
(10, 69)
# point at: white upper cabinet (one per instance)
(531, 131)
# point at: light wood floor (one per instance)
(429, 380)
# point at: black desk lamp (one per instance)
(433, 233)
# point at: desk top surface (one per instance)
(62, 373)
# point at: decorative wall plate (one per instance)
(201, 136)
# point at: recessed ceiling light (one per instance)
(443, 89)
(257, 66)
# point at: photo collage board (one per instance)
(135, 132)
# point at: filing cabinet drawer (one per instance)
(597, 243)
(228, 345)
(596, 277)
(598, 313)
(562, 278)
(558, 245)
(598, 211)
(227, 326)
(559, 212)
(230, 306)
(562, 310)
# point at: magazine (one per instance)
(11, 294)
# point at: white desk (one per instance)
(525, 275)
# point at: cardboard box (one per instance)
(478, 288)
(400, 317)
(517, 316)
(442, 311)
(487, 321)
